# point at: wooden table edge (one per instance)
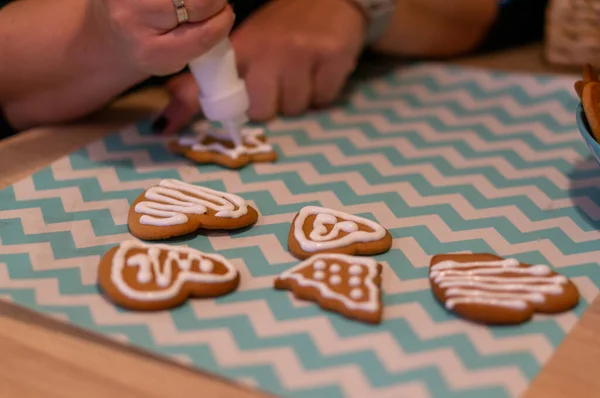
(20, 317)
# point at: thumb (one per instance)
(182, 107)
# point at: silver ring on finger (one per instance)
(182, 15)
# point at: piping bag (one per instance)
(223, 96)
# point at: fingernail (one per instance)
(159, 124)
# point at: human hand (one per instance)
(293, 54)
(147, 36)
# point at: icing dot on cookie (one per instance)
(355, 269)
(334, 268)
(354, 281)
(335, 279)
(319, 275)
(184, 264)
(206, 266)
(356, 293)
(319, 264)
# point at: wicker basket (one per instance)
(573, 32)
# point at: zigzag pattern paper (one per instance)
(448, 159)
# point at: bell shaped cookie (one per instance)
(148, 277)
(340, 283)
(321, 230)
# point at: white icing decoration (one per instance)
(149, 267)
(335, 268)
(168, 203)
(371, 303)
(320, 265)
(354, 281)
(475, 283)
(142, 261)
(251, 144)
(319, 239)
(319, 275)
(206, 266)
(356, 293)
(355, 269)
(319, 232)
(335, 279)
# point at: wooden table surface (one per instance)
(41, 357)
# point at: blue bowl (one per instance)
(585, 131)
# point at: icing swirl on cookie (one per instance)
(485, 282)
(320, 239)
(251, 144)
(169, 203)
(150, 268)
(333, 280)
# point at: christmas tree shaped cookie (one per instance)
(340, 283)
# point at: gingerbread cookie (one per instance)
(215, 146)
(340, 283)
(147, 277)
(591, 106)
(492, 290)
(588, 75)
(174, 208)
(321, 230)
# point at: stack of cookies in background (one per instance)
(588, 90)
(571, 33)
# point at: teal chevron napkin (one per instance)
(448, 159)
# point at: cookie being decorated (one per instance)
(215, 146)
(493, 290)
(175, 208)
(321, 230)
(149, 277)
(340, 283)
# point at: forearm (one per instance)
(437, 28)
(57, 62)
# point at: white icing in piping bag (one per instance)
(223, 95)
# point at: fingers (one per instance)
(329, 79)
(191, 40)
(293, 89)
(201, 10)
(182, 107)
(296, 87)
(291, 93)
(262, 84)
(163, 12)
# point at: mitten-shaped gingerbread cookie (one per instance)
(148, 277)
(174, 208)
(340, 283)
(489, 289)
(321, 230)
